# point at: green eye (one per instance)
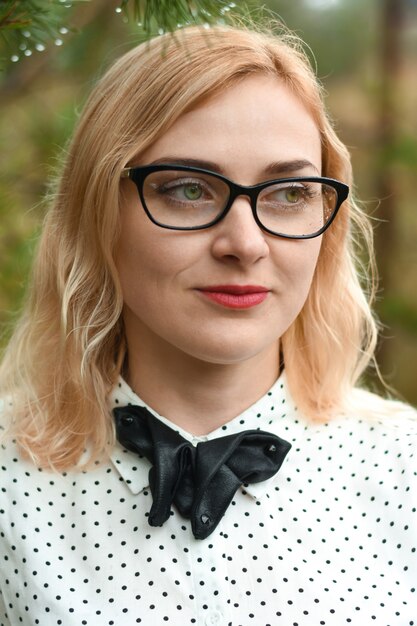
(292, 195)
(192, 192)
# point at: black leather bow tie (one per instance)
(200, 480)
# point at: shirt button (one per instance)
(214, 618)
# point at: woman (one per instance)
(201, 240)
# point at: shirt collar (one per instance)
(267, 414)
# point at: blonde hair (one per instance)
(69, 346)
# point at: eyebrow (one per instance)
(284, 167)
(277, 167)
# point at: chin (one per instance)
(231, 352)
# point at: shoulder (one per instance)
(375, 431)
(9, 452)
(6, 420)
(369, 450)
(379, 418)
(387, 413)
(13, 464)
(371, 431)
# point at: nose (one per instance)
(238, 237)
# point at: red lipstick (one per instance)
(236, 296)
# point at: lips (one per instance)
(236, 296)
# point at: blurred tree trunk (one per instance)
(392, 14)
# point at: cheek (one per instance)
(309, 258)
(296, 265)
(150, 259)
(136, 255)
(143, 266)
(299, 259)
(138, 251)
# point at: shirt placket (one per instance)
(211, 587)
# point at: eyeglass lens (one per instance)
(194, 199)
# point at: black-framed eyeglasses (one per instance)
(180, 197)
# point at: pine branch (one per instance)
(29, 25)
(161, 16)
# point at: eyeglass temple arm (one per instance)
(125, 172)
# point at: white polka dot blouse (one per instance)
(330, 539)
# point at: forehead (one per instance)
(244, 128)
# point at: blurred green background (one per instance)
(366, 57)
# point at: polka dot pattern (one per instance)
(331, 539)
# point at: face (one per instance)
(225, 294)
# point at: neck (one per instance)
(196, 395)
